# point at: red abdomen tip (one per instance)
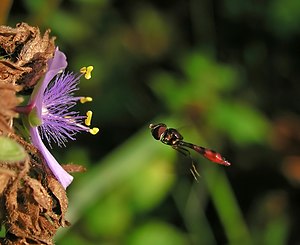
(216, 157)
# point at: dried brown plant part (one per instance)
(74, 168)
(5, 176)
(24, 54)
(8, 102)
(34, 203)
(58, 193)
(10, 72)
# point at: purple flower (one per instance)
(50, 117)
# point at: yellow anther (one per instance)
(94, 131)
(87, 71)
(88, 119)
(85, 99)
(83, 70)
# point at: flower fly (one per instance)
(173, 138)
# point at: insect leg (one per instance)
(194, 172)
(187, 153)
(182, 150)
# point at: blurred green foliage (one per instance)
(11, 151)
(285, 17)
(221, 72)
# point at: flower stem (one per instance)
(24, 109)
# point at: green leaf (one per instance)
(10, 150)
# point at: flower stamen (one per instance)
(87, 71)
(88, 119)
(94, 131)
(87, 122)
(85, 99)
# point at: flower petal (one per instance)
(55, 65)
(61, 175)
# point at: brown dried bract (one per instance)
(8, 102)
(74, 168)
(24, 54)
(23, 60)
(33, 203)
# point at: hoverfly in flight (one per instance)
(173, 138)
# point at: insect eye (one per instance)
(157, 130)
